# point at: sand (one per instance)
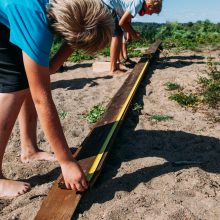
(146, 175)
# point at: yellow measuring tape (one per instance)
(114, 126)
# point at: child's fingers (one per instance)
(79, 187)
(73, 187)
(68, 186)
(84, 184)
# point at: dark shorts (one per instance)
(118, 30)
(12, 73)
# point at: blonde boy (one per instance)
(25, 41)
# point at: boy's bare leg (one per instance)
(10, 104)
(115, 48)
(123, 52)
(28, 128)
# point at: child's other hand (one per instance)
(73, 176)
(137, 36)
(128, 37)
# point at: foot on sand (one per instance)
(127, 62)
(118, 72)
(39, 155)
(10, 188)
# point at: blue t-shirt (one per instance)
(28, 26)
(121, 6)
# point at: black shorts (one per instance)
(117, 30)
(12, 73)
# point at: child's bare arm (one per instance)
(60, 57)
(125, 23)
(39, 83)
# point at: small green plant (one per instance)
(172, 86)
(186, 100)
(210, 85)
(62, 115)
(95, 113)
(210, 63)
(105, 52)
(217, 119)
(136, 107)
(78, 56)
(158, 117)
(209, 92)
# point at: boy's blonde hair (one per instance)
(156, 4)
(84, 24)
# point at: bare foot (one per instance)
(39, 155)
(118, 72)
(10, 188)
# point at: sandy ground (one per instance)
(145, 176)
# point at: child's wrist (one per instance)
(65, 156)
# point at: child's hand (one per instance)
(137, 36)
(73, 176)
(128, 37)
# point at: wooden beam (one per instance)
(60, 203)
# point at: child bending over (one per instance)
(123, 11)
(26, 35)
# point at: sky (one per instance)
(185, 11)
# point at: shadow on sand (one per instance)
(133, 144)
(77, 83)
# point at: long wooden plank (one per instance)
(60, 204)
(149, 55)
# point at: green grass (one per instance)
(175, 36)
(78, 56)
(62, 115)
(217, 119)
(159, 117)
(95, 113)
(105, 52)
(210, 93)
(172, 86)
(217, 63)
(136, 107)
(184, 99)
